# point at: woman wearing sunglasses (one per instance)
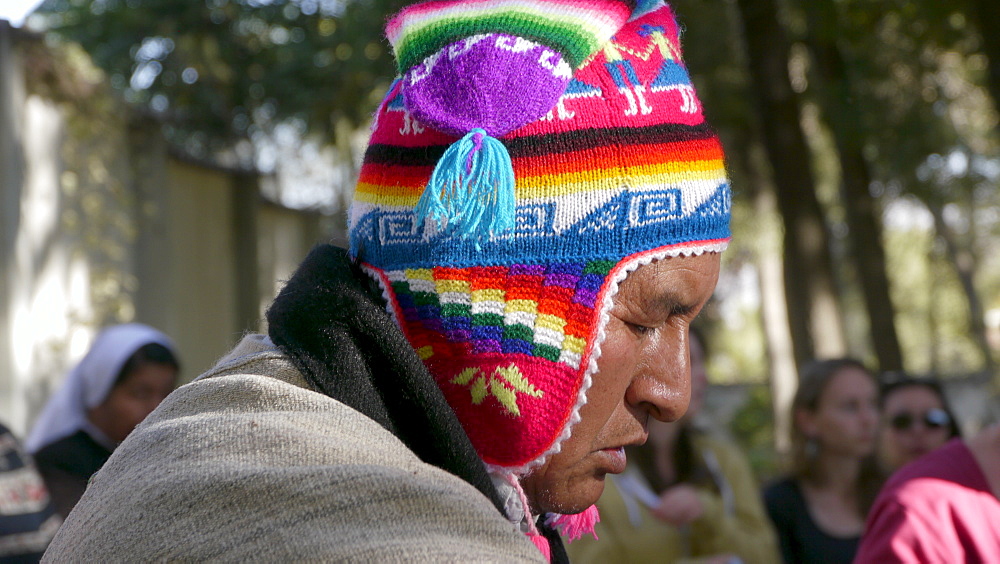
(915, 419)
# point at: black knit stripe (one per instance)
(561, 142)
(583, 139)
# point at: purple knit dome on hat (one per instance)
(495, 82)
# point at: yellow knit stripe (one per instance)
(554, 185)
(550, 322)
(420, 274)
(666, 173)
(488, 295)
(574, 344)
(459, 286)
(527, 306)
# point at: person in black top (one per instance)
(128, 371)
(819, 510)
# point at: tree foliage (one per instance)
(219, 71)
(915, 110)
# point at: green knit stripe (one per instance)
(567, 38)
(602, 267)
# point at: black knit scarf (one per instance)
(330, 320)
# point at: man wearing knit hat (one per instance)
(538, 219)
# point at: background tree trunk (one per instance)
(964, 262)
(745, 154)
(862, 211)
(774, 313)
(986, 15)
(809, 286)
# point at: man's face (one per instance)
(643, 370)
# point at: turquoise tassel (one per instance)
(471, 192)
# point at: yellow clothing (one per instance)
(731, 523)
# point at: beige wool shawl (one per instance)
(247, 463)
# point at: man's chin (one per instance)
(571, 503)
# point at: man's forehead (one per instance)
(670, 283)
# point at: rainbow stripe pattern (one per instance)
(622, 166)
(506, 345)
(574, 28)
(540, 310)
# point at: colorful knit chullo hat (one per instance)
(531, 154)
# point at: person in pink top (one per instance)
(943, 507)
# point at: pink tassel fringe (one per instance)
(543, 546)
(575, 526)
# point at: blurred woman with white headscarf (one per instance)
(126, 373)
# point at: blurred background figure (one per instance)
(916, 419)
(688, 495)
(28, 520)
(819, 510)
(943, 507)
(127, 372)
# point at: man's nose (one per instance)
(661, 385)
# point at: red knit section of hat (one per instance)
(512, 406)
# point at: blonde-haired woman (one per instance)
(819, 509)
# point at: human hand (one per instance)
(679, 505)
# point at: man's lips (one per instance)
(615, 459)
(614, 456)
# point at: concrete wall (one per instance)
(11, 179)
(196, 272)
(285, 238)
(100, 224)
(46, 284)
(191, 266)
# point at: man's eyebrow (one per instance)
(673, 304)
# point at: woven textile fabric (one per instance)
(623, 168)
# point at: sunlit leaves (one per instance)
(219, 71)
